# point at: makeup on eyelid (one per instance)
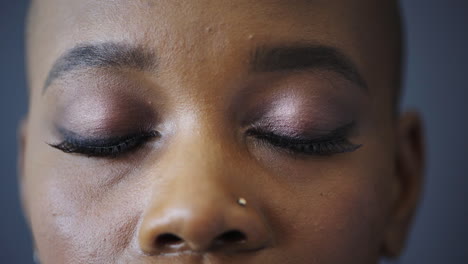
(103, 101)
(300, 116)
(302, 103)
(108, 125)
(100, 115)
(295, 105)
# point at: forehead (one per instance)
(191, 31)
(157, 22)
(172, 12)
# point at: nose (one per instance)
(198, 213)
(211, 227)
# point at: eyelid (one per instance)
(302, 138)
(333, 142)
(103, 146)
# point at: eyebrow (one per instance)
(305, 57)
(263, 59)
(102, 55)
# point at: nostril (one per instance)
(168, 240)
(231, 237)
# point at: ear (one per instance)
(409, 164)
(21, 135)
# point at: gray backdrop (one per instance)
(436, 84)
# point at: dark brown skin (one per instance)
(173, 198)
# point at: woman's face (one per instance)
(214, 132)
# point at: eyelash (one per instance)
(333, 143)
(110, 147)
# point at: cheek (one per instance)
(338, 228)
(336, 219)
(82, 221)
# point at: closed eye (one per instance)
(104, 147)
(334, 142)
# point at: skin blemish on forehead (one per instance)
(209, 29)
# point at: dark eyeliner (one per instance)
(102, 147)
(333, 142)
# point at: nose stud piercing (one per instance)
(241, 201)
